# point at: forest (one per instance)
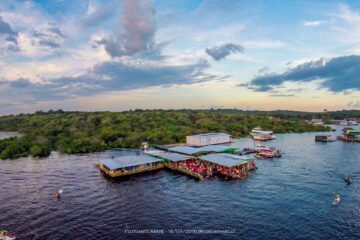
(83, 132)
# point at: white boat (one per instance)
(261, 135)
(5, 235)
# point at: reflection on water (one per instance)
(95, 207)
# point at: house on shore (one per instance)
(208, 139)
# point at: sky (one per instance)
(114, 55)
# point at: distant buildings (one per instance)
(207, 139)
(345, 122)
(317, 122)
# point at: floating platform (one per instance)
(173, 160)
(231, 166)
(129, 165)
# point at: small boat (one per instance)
(261, 135)
(266, 154)
(5, 235)
(336, 201)
(324, 138)
(260, 148)
(247, 151)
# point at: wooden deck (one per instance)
(118, 173)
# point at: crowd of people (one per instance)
(196, 167)
(205, 169)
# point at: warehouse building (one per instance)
(207, 139)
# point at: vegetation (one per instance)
(82, 132)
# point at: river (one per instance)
(175, 206)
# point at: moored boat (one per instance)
(324, 138)
(261, 135)
(5, 235)
(268, 152)
(350, 135)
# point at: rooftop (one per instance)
(210, 135)
(174, 157)
(128, 161)
(226, 159)
(193, 150)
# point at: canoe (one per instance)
(336, 201)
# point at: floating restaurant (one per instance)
(182, 163)
(189, 162)
(229, 165)
(128, 165)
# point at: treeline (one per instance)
(82, 132)
(286, 114)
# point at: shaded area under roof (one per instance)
(128, 161)
(226, 159)
(192, 150)
(174, 157)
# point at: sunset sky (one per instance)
(117, 55)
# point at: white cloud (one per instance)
(260, 44)
(312, 23)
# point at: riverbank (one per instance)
(85, 132)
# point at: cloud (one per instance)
(337, 74)
(264, 44)
(312, 23)
(264, 70)
(5, 28)
(114, 75)
(139, 24)
(96, 15)
(49, 36)
(220, 52)
(354, 104)
(8, 38)
(282, 95)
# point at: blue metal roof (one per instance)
(215, 148)
(110, 163)
(185, 150)
(225, 159)
(193, 150)
(128, 161)
(174, 157)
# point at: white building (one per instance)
(208, 139)
(317, 122)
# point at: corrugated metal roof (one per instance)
(193, 150)
(174, 157)
(225, 159)
(215, 148)
(128, 161)
(184, 149)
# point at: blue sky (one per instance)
(118, 55)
